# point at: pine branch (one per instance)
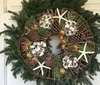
(38, 81)
(14, 13)
(17, 68)
(6, 31)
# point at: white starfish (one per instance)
(60, 16)
(41, 66)
(83, 53)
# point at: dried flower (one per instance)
(70, 28)
(27, 42)
(61, 37)
(69, 63)
(62, 71)
(62, 42)
(25, 48)
(74, 48)
(35, 60)
(45, 21)
(62, 33)
(29, 56)
(62, 46)
(38, 48)
(34, 26)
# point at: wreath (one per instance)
(29, 48)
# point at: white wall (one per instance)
(6, 77)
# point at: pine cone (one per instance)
(78, 38)
(49, 61)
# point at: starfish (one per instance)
(60, 16)
(83, 53)
(41, 66)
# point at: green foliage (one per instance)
(57, 74)
(31, 21)
(34, 7)
(43, 32)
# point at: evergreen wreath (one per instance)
(29, 49)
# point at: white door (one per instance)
(6, 77)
